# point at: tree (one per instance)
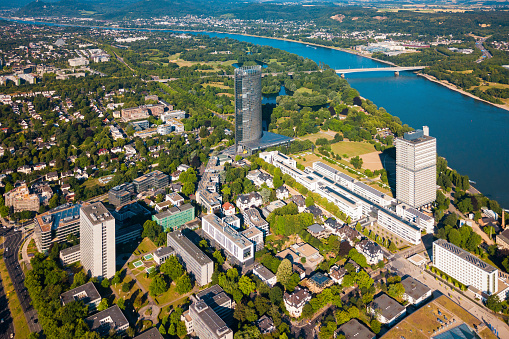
(219, 257)
(131, 332)
(396, 290)
(121, 303)
(183, 284)
(356, 162)
(126, 287)
(80, 278)
(103, 305)
(181, 329)
(158, 285)
(454, 237)
(172, 268)
(284, 272)
(376, 326)
(188, 188)
(105, 283)
(276, 295)
(162, 330)
(246, 285)
(493, 303)
(309, 201)
(151, 230)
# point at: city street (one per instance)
(403, 266)
(6, 324)
(13, 241)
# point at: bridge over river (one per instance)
(395, 69)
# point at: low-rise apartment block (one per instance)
(107, 320)
(265, 275)
(386, 310)
(86, 293)
(174, 217)
(21, 199)
(403, 228)
(253, 218)
(415, 291)
(238, 248)
(70, 255)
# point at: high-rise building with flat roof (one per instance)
(249, 135)
(97, 240)
(248, 103)
(416, 162)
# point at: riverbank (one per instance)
(459, 90)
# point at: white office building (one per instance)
(97, 240)
(402, 228)
(424, 221)
(236, 245)
(465, 267)
(416, 159)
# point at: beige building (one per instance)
(142, 112)
(21, 199)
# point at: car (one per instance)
(1, 321)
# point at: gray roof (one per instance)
(213, 296)
(265, 325)
(210, 318)
(414, 288)
(465, 255)
(504, 236)
(189, 248)
(370, 189)
(70, 250)
(153, 333)
(86, 292)
(96, 213)
(264, 272)
(315, 228)
(254, 217)
(163, 251)
(114, 313)
(355, 330)
(387, 306)
(173, 210)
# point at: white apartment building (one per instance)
(416, 159)
(464, 267)
(97, 240)
(349, 206)
(424, 221)
(294, 302)
(236, 245)
(399, 226)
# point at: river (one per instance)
(470, 134)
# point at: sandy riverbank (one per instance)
(459, 90)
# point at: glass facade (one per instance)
(248, 104)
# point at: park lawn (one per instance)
(143, 280)
(320, 134)
(167, 296)
(352, 148)
(451, 306)
(118, 289)
(216, 84)
(304, 90)
(487, 334)
(146, 246)
(226, 94)
(20, 323)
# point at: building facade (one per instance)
(56, 225)
(173, 218)
(416, 159)
(194, 260)
(464, 267)
(97, 240)
(248, 104)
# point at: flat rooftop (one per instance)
(107, 319)
(60, 215)
(387, 306)
(96, 213)
(355, 330)
(190, 248)
(226, 230)
(465, 255)
(414, 288)
(86, 292)
(214, 323)
(255, 217)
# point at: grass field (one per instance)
(32, 248)
(487, 334)
(352, 148)
(304, 90)
(20, 323)
(468, 318)
(216, 84)
(146, 246)
(321, 134)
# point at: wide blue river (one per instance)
(471, 134)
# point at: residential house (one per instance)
(265, 325)
(228, 209)
(245, 201)
(371, 250)
(265, 275)
(337, 274)
(282, 193)
(300, 201)
(295, 301)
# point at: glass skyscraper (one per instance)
(248, 104)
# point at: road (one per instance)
(6, 324)
(12, 245)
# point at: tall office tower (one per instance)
(248, 104)
(416, 162)
(97, 240)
